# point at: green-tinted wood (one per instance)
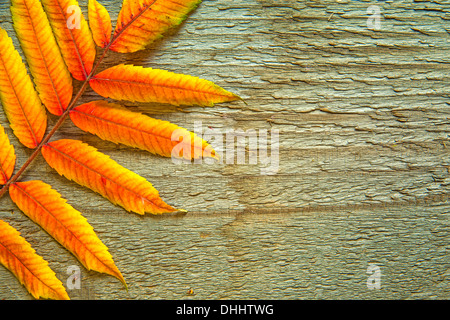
(363, 120)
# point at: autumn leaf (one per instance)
(115, 123)
(141, 22)
(7, 157)
(58, 45)
(73, 36)
(135, 83)
(88, 167)
(17, 255)
(20, 101)
(48, 209)
(100, 23)
(51, 77)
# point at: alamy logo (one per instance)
(234, 146)
(74, 279)
(374, 21)
(74, 20)
(374, 280)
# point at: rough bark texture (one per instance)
(363, 120)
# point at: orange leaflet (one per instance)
(48, 209)
(100, 23)
(50, 74)
(20, 101)
(7, 157)
(114, 123)
(73, 35)
(17, 255)
(134, 83)
(88, 167)
(141, 22)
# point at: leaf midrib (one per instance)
(145, 84)
(100, 174)
(130, 128)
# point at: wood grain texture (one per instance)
(363, 120)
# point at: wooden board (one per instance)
(363, 175)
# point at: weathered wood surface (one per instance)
(364, 160)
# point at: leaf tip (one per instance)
(240, 98)
(120, 277)
(124, 284)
